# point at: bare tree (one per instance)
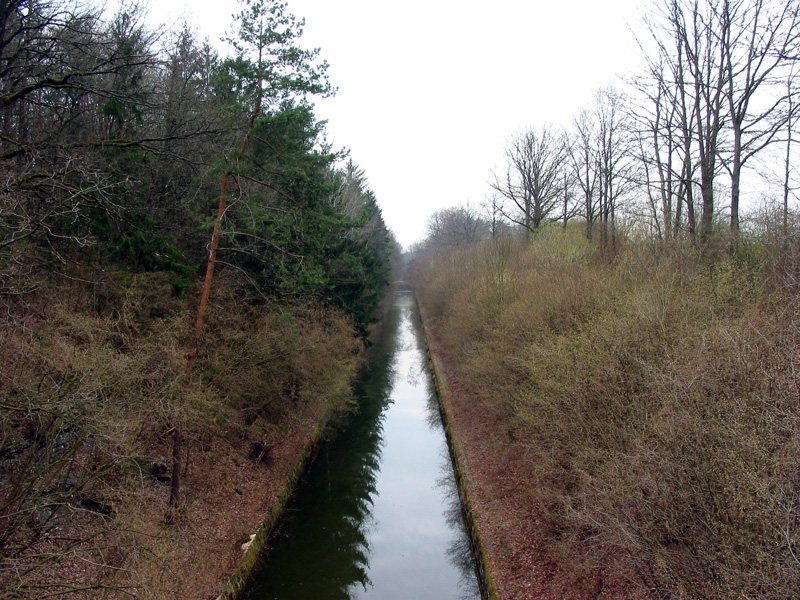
(663, 148)
(493, 215)
(456, 226)
(759, 35)
(702, 37)
(569, 208)
(582, 155)
(616, 175)
(531, 183)
(684, 88)
(717, 98)
(791, 119)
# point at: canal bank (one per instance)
(488, 589)
(237, 582)
(376, 512)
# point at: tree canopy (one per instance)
(112, 149)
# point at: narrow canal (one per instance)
(377, 515)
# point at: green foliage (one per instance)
(147, 251)
(146, 151)
(291, 236)
(269, 62)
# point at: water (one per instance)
(377, 516)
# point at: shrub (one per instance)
(91, 384)
(653, 398)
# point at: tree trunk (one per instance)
(787, 173)
(177, 437)
(177, 469)
(707, 192)
(736, 176)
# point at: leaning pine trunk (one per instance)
(177, 438)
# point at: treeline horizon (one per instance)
(670, 151)
(116, 142)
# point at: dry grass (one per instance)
(90, 385)
(653, 399)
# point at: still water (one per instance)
(377, 515)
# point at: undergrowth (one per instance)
(652, 397)
(91, 382)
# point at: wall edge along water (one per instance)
(236, 584)
(245, 570)
(486, 584)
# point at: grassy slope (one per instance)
(91, 385)
(645, 410)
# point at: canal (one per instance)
(377, 516)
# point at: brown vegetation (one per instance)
(92, 383)
(630, 425)
(127, 467)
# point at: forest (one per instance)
(188, 274)
(619, 321)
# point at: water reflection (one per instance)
(459, 552)
(367, 521)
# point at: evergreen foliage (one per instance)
(126, 169)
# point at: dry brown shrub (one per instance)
(654, 398)
(78, 388)
(654, 408)
(91, 384)
(272, 360)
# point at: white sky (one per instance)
(431, 90)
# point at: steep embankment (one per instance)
(92, 390)
(628, 426)
(509, 527)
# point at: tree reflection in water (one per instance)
(459, 552)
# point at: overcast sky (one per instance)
(429, 91)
